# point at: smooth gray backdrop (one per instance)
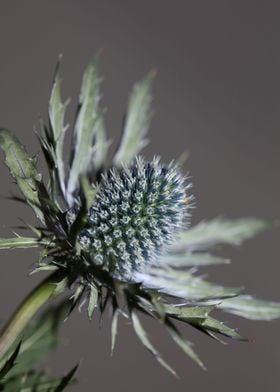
(217, 95)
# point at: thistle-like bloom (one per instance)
(136, 214)
(121, 228)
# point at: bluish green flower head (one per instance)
(137, 212)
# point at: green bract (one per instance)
(120, 229)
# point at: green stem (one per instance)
(26, 310)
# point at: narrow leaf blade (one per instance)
(57, 111)
(66, 380)
(20, 242)
(87, 127)
(191, 260)
(93, 298)
(251, 308)
(137, 122)
(183, 344)
(219, 231)
(114, 329)
(140, 332)
(183, 284)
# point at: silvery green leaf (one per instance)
(251, 308)
(183, 344)
(93, 298)
(114, 329)
(57, 128)
(140, 332)
(191, 260)
(211, 324)
(137, 121)
(186, 313)
(24, 171)
(89, 124)
(21, 242)
(88, 191)
(184, 285)
(101, 144)
(219, 231)
(76, 297)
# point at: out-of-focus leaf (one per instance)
(66, 380)
(191, 260)
(10, 363)
(140, 332)
(183, 344)
(33, 382)
(251, 308)
(24, 171)
(21, 242)
(92, 301)
(137, 122)
(87, 127)
(218, 231)
(39, 339)
(184, 285)
(57, 128)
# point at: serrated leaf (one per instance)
(191, 260)
(184, 285)
(186, 313)
(137, 122)
(251, 308)
(21, 242)
(23, 170)
(218, 231)
(87, 126)
(140, 332)
(57, 111)
(184, 344)
(93, 298)
(211, 324)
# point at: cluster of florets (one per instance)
(135, 215)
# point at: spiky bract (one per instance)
(137, 211)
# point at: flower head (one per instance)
(136, 213)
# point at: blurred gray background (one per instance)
(217, 95)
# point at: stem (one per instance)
(26, 310)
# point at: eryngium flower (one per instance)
(136, 213)
(119, 237)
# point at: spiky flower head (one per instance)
(136, 213)
(123, 231)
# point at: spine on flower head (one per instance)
(136, 213)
